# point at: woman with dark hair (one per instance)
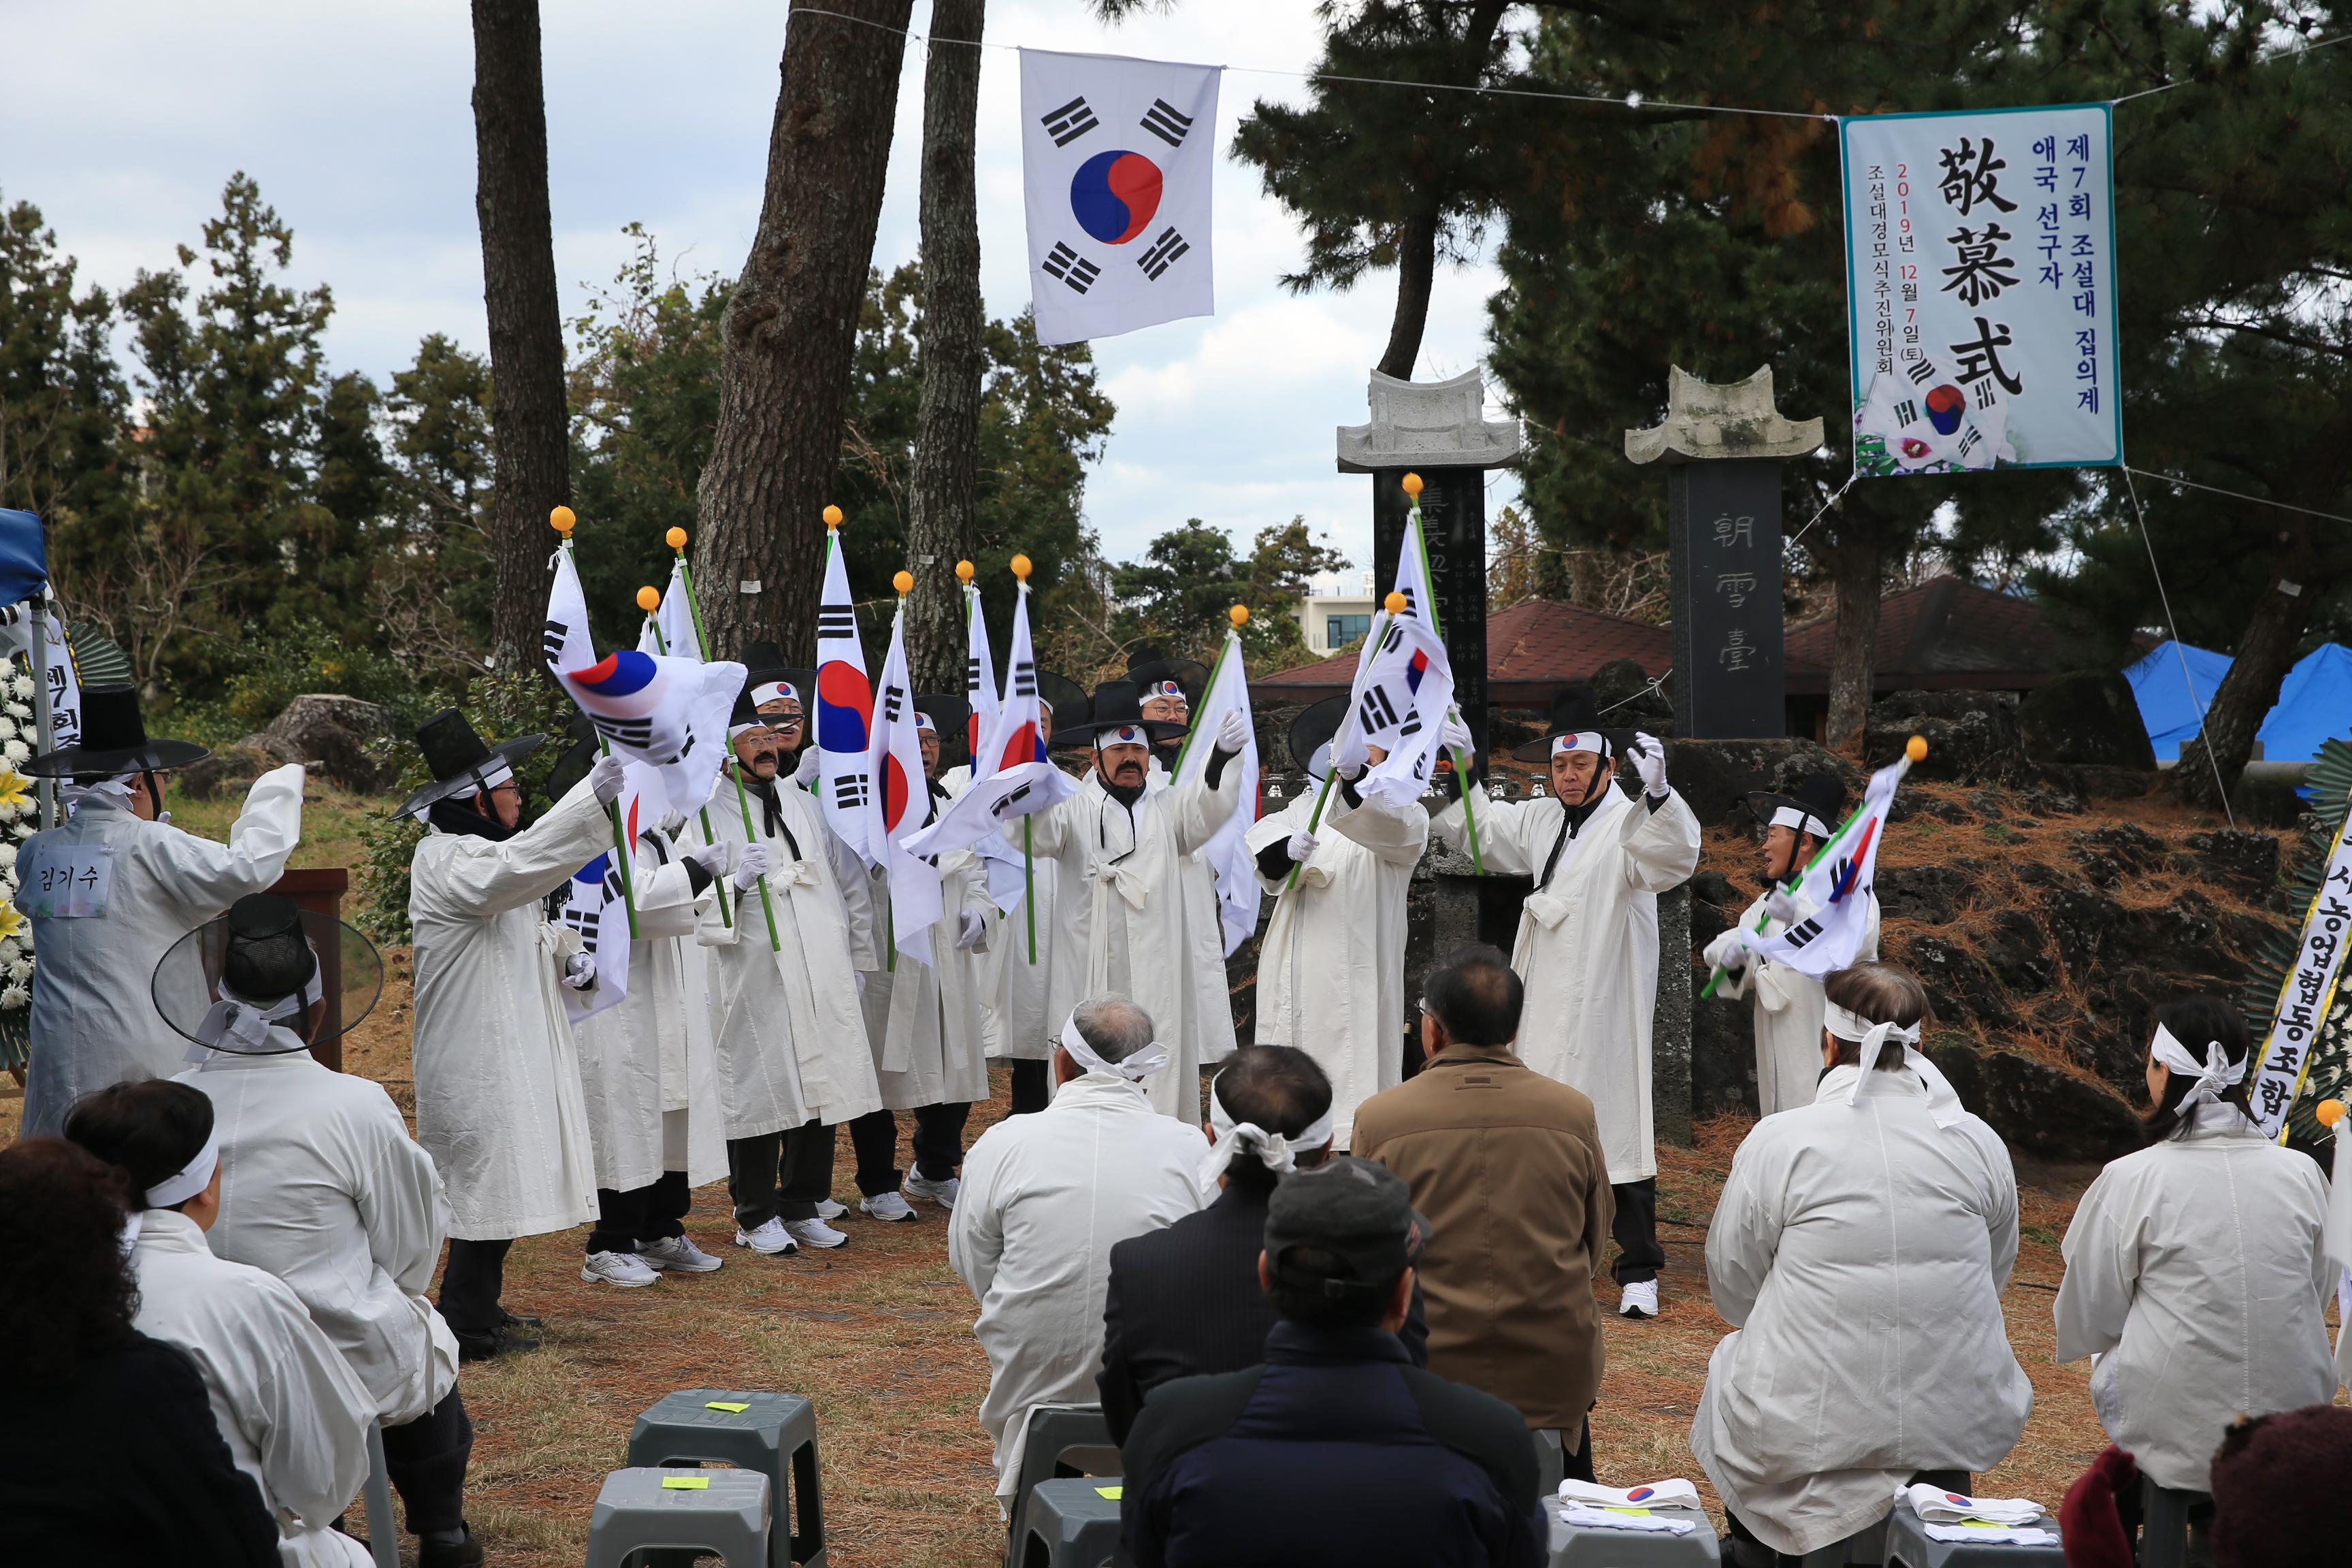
(293, 1413)
(2194, 1270)
(109, 1454)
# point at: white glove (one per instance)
(1781, 907)
(751, 867)
(1726, 951)
(971, 926)
(711, 857)
(580, 972)
(1455, 736)
(1650, 762)
(1302, 846)
(1232, 731)
(811, 767)
(860, 975)
(607, 777)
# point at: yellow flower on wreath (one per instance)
(12, 921)
(15, 789)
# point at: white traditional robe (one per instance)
(93, 1020)
(648, 1069)
(1788, 1012)
(791, 1034)
(1204, 925)
(924, 1021)
(498, 1103)
(1588, 946)
(294, 1414)
(1330, 973)
(2194, 1273)
(1860, 1251)
(1018, 1021)
(1044, 1199)
(322, 1186)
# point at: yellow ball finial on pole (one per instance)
(963, 571)
(649, 599)
(562, 521)
(1022, 567)
(832, 517)
(2330, 1112)
(675, 539)
(1412, 486)
(1394, 603)
(1239, 616)
(1916, 748)
(903, 580)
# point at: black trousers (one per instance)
(1032, 1086)
(471, 1284)
(648, 1214)
(938, 1146)
(1635, 1231)
(1752, 1551)
(780, 1175)
(426, 1461)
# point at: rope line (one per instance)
(2178, 647)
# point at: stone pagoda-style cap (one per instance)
(1428, 425)
(1707, 420)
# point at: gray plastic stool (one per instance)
(1572, 1546)
(1550, 1460)
(637, 1519)
(776, 1437)
(1068, 1523)
(1907, 1545)
(1078, 1434)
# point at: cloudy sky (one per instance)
(355, 119)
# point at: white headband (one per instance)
(241, 1026)
(1581, 741)
(1135, 1069)
(923, 722)
(1164, 689)
(1943, 1101)
(1277, 1153)
(774, 691)
(1125, 735)
(192, 1179)
(1802, 821)
(2213, 1075)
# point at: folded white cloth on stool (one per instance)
(1674, 1493)
(1990, 1534)
(1934, 1505)
(1584, 1517)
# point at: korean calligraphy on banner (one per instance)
(1981, 290)
(2309, 991)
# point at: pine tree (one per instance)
(62, 400)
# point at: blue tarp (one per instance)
(24, 558)
(2314, 702)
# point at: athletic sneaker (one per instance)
(1639, 1300)
(771, 1239)
(940, 1193)
(827, 1209)
(677, 1252)
(814, 1233)
(886, 1206)
(617, 1269)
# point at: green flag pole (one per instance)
(677, 538)
(564, 522)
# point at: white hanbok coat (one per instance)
(93, 1020)
(1588, 946)
(923, 1021)
(648, 1069)
(1018, 1021)
(498, 1103)
(1132, 926)
(294, 1414)
(1860, 1251)
(1788, 1012)
(1204, 925)
(1044, 1199)
(2195, 1276)
(1330, 973)
(322, 1186)
(791, 1033)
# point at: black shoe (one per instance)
(466, 1551)
(498, 1341)
(516, 1320)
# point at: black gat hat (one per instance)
(114, 741)
(461, 761)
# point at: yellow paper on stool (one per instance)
(686, 1483)
(731, 1407)
(1112, 1493)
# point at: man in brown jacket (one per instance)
(1507, 1163)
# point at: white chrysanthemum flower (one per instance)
(23, 686)
(7, 729)
(7, 812)
(22, 828)
(21, 972)
(13, 997)
(15, 751)
(8, 864)
(18, 710)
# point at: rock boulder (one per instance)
(2086, 717)
(1972, 736)
(332, 734)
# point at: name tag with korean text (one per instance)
(65, 882)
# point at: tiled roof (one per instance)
(1532, 649)
(1944, 633)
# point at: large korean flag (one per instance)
(1403, 690)
(1116, 157)
(844, 714)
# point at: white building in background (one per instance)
(1337, 611)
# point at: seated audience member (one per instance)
(1044, 1199)
(1509, 1166)
(1859, 1249)
(109, 1453)
(1185, 1301)
(1336, 1449)
(2278, 1490)
(293, 1413)
(2198, 1309)
(323, 1186)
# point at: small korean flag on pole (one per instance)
(1116, 157)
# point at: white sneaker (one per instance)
(940, 1193)
(886, 1206)
(827, 1209)
(1639, 1300)
(677, 1252)
(814, 1233)
(617, 1269)
(771, 1239)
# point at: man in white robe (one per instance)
(1044, 1199)
(1787, 1002)
(1126, 915)
(1169, 686)
(139, 885)
(498, 1103)
(1587, 943)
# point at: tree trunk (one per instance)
(939, 529)
(2213, 761)
(1853, 665)
(1416, 271)
(791, 328)
(527, 437)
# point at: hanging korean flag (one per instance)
(903, 803)
(1981, 290)
(1404, 689)
(1116, 160)
(844, 712)
(675, 618)
(979, 677)
(1227, 850)
(1011, 774)
(598, 911)
(1836, 886)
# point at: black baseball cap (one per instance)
(1360, 1213)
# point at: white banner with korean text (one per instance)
(1980, 282)
(2309, 991)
